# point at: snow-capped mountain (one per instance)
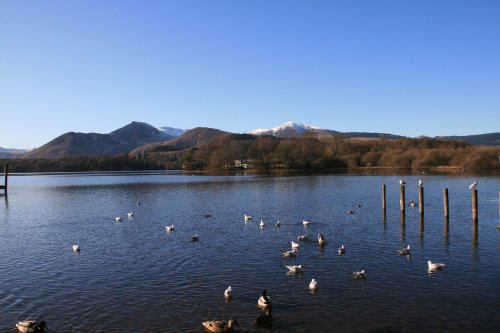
(287, 129)
(175, 132)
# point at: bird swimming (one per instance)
(321, 239)
(291, 253)
(76, 248)
(31, 326)
(294, 268)
(118, 219)
(220, 325)
(262, 224)
(130, 215)
(306, 223)
(295, 245)
(303, 238)
(434, 266)
(412, 203)
(194, 238)
(228, 293)
(247, 217)
(169, 228)
(313, 285)
(404, 251)
(341, 250)
(361, 275)
(350, 211)
(264, 301)
(277, 225)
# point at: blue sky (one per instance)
(427, 67)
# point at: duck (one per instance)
(321, 239)
(313, 285)
(291, 253)
(169, 228)
(306, 223)
(247, 217)
(130, 215)
(194, 238)
(31, 326)
(341, 250)
(435, 266)
(277, 225)
(220, 325)
(404, 251)
(76, 248)
(295, 269)
(295, 245)
(262, 224)
(473, 186)
(361, 275)
(264, 301)
(303, 238)
(228, 293)
(118, 219)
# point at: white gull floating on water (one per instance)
(434, 266)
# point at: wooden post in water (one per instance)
(446, 203)
(383, 198)
(421, 200)
(474, 206)
(6, 176)
(402, 198)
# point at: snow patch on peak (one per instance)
(175, 132)
(288, 126)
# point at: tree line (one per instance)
(264, 153)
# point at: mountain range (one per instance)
(141, 138)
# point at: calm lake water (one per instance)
(133, 276)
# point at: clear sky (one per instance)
(407, 67)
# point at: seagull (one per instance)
(434, 266)
(247, 217)
(220, 325)
(228, 293)
(118, 219)
(303, 238)
(404, 251)
(361, 275)
(341, 250)
(130, 215)
(194, 238)
(359, 205)
(473, 186)
(291, 253)
(402, 182)
(76, 248)
(31, 326)
(321, 239)
(295, 245)
(294, 269)
(350, 211)
(313, 285)
(420, 183)
(264, 301)
(262, 224)
(412, 203)
(169, 228)
(306, 223)
(277, 225)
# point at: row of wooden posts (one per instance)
(446, 202)
(5, 176)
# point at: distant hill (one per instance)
(488, 139)
(123, 140)
(198, 135)
(11, 152)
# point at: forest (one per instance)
(264, 153)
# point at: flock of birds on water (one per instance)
(264, 301)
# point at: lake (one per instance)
(133, 276)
